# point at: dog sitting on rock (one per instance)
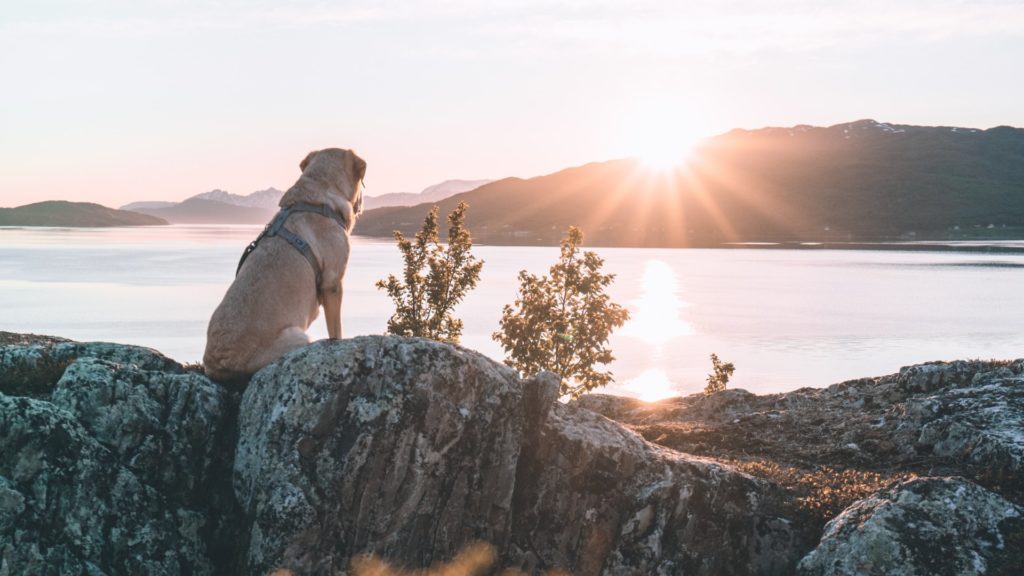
(295, 266)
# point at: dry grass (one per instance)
(196, 367)
(823, 492)
(474, 560)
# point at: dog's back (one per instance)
(274, 292)
(276, 296)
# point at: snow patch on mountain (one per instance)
(260, 199)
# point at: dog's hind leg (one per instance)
(287, 340)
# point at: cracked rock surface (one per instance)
(118, 460)
(411, 449)
(111, 463)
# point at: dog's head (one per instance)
(342, 172)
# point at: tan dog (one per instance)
(275, 297)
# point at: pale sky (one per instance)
(118, 101)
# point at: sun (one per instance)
(659, 132)
(660, 155)
(662, 148)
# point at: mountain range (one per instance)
(214, 207)
(862, 181)
(220, 207)
(858, 181)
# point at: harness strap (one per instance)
(303, 247)
(276, 227)
(321, 209)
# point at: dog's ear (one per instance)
(358, 167)
(305, 161)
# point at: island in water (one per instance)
(76, 214)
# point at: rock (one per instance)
(959, 418)
(403, 448)
(926, 527)
(162, 426)
(593, 498)
(68, 507)
(122, 469)
(118, 460)
(412, 449)
(31, 366)
(980, 424)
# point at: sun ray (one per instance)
(730, 185)
(706, 198)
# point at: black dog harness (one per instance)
(277, 228)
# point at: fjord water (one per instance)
(785, 318)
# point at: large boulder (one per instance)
(923, 527)
(595, 498)
(412, 449)
(971, 416)
(115, 461)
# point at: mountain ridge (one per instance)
(197, 210)
(852, 182)
(221, 207)
(266, 199)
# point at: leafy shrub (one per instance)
(434, 280)
(719, 377)
(562, 322)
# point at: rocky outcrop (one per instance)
(31, 365)
(961, 418)
(117, 460)
(924, 527)
(411, 450)
(117, 471)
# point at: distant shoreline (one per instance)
(1002, 246)
(1014, 246)
(974, 246)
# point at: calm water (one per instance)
(786, 318)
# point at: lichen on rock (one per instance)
(923, 527)
(118, 460)
(114, 466)
(32, 365)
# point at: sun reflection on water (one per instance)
(655, 316)
(656, 319)
(652, 385)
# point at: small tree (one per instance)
(436, 278)
(719, 377)
(562, 322)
